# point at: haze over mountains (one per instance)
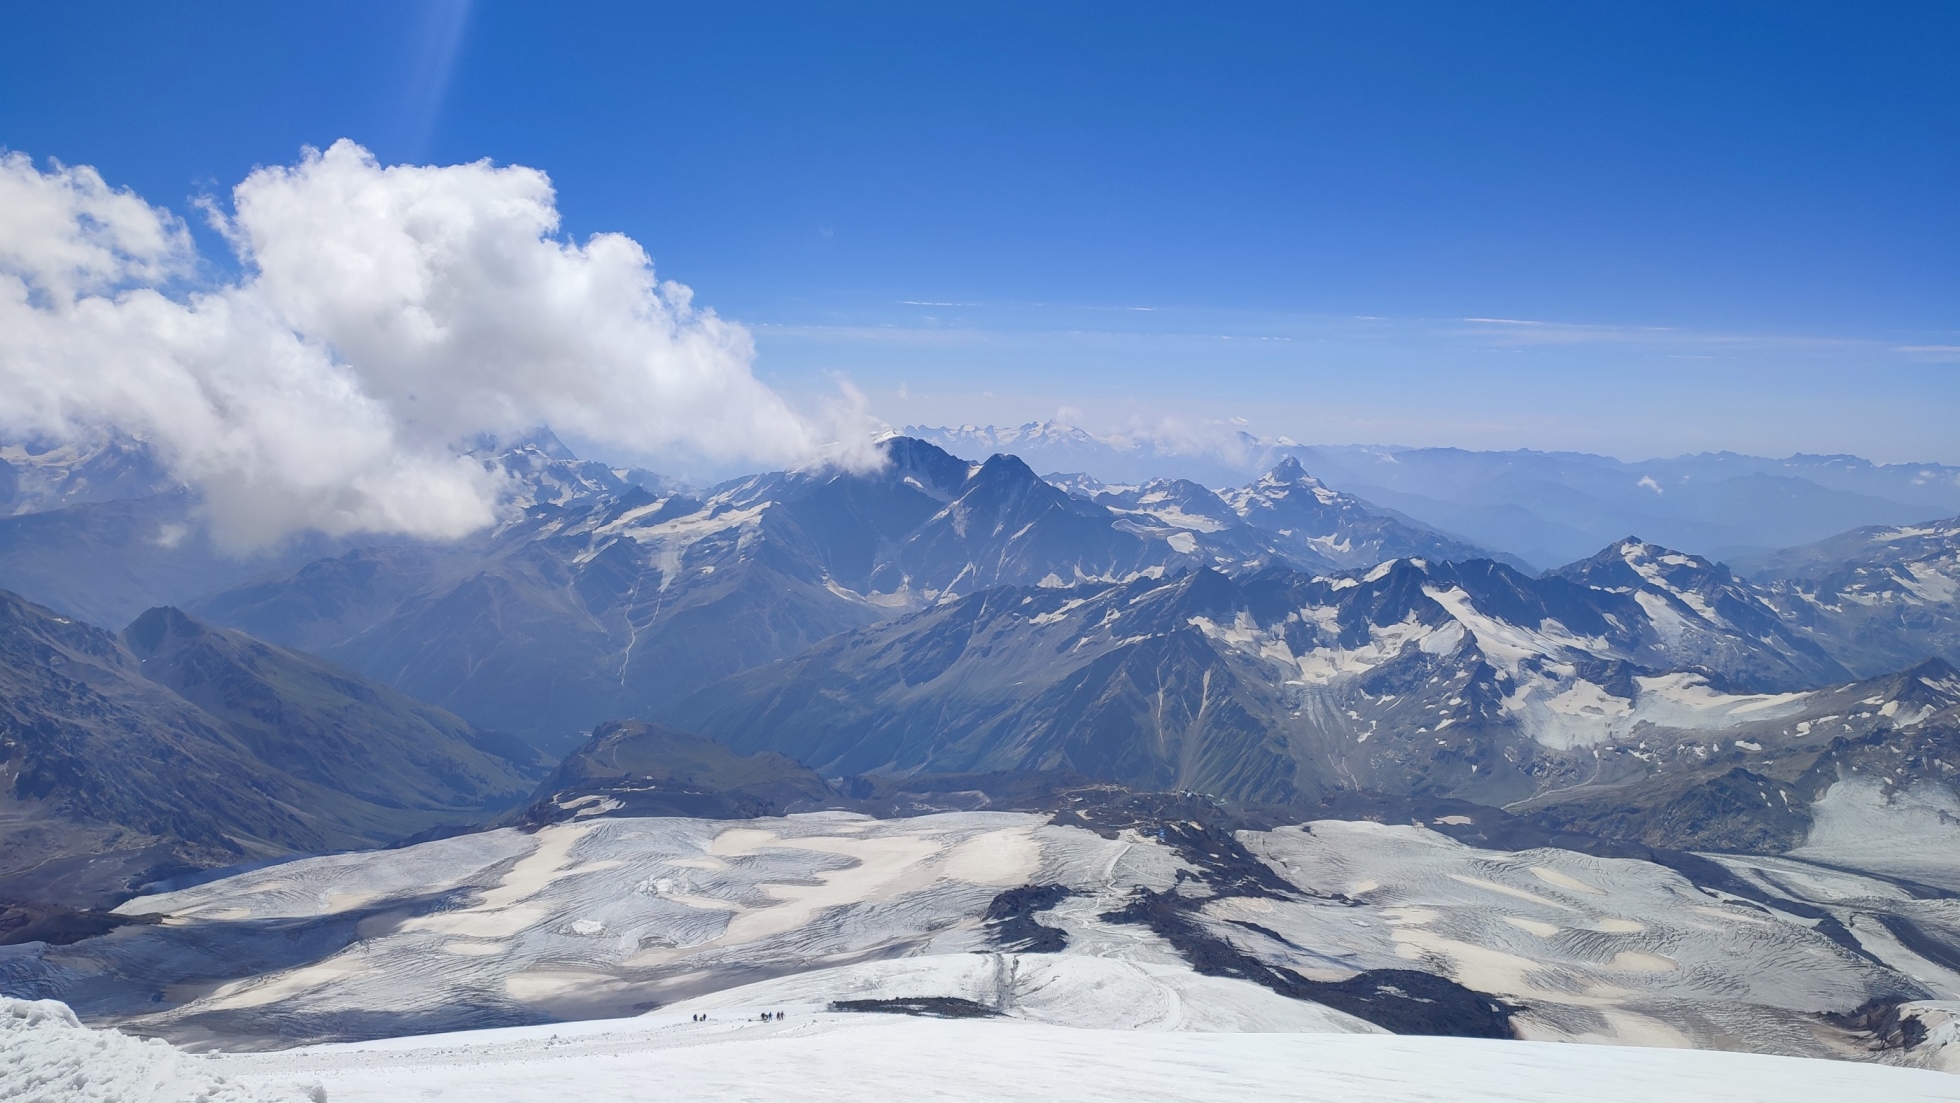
(1548, 508)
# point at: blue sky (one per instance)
(1638, 229)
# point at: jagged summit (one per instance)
(1290, 470)
(1342, 530)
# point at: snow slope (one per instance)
(826, 1056)
(46, 1056)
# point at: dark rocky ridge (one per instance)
(110, 777)
(931, 1007)
(1403, 1001)
(1011, 921)
(633, 768)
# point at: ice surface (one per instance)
(1596, 949)
(1912, 831)
(605, 918)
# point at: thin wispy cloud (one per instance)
(438, 45)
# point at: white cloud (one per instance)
(385, 315)
(66, 232)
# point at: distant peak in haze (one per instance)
(1547, 508)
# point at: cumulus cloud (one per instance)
(384, 316)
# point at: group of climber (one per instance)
(765, 1017)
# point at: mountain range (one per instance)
(1472, 681)
(616, 603)
(945, 736)
(1278, 641)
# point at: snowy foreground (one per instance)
(813, 1055)
(609, 918)
(571, 962)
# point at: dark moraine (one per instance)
(932, 1007)
(1011, 922)
(1400, 1000)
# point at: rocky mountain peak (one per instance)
(150, 633)
(1004, 486)
(1632, 564)
(923, 465)
(1288, 470)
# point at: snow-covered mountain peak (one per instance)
(1289, 471)
(1321, 524)
(1084, 485)
(1283, 482)
(538, 474)
(1883, 597)
(979, 438)
(1634, 566)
